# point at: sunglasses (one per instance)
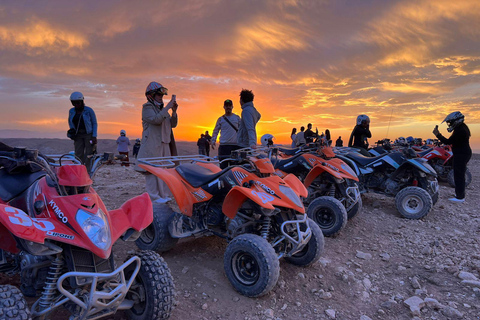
(162, 90)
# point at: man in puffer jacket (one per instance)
(157, 136)
(247, 134)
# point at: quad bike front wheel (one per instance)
(312, 251)
(156, 236)
(451, 179)
(413, 202)
(329, 214)
(12, 304)
(152, 291)
(251, 265)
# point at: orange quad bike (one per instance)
(333, 193)
(260, 214)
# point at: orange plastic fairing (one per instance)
(237, 196)
(296, 185)
(328, 152)
(73, 175)
(263, 165)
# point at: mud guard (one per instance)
(296, 185)
(136, 213)
(235, 198)
(316, 171)
(424, 167)
(180, 193)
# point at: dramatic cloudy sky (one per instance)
(406, 64)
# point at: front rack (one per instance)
(172, 161)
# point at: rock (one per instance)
(301, 275)
(433, 303)
(389, 304)
(472, 283)
(363, 255)
(401, 268)
(385, 256)
(452, 313)
(415, 284)
(283, 307)
(364, 317)
(367, 283)
(268, 313)
(415, 304)
(185, 270)
(236, 299)
(324, 261)
(298, 304)
(467, 276)
(452, 269)
(331, 313)
(204, 306)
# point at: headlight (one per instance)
(95, 227)
(290, 194)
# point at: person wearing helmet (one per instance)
(358, 138)
(157, 136)
(136, 147)
(227, 125)
(460, 142)
(123, 147)
(83, 128)
(247, 133)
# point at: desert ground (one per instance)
(381, 266)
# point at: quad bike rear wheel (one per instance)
(413, 202)
(329, 214)
(451, 179)
(156, 236)
(312, 251)
(153, 290)
(12, 304)
(251, 265)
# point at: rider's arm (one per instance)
(152, 117)
(216, 131)
(350, 141)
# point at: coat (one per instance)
(153, 119)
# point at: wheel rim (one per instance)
(245, 268)
(325, 218)
(412, 204)
(148, 234)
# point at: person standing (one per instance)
(247, 134)
(293, 135)
(328, 137)
(136, 147)
(300, 138)
(460, 142)
(202, 145)
(360, 133)
(227, 125)
(83, 128)
(123, 147)
(309, 134)
(208, 137)
(157, 136)
(339, 142)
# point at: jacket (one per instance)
(359, 136)
(89, 119)
(460, 140)
(153, 119)
(247, 134)
(228, 135)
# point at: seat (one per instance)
(424, 152)
(279, 163)
(196, 175)
(362, 160)
(12, 185)
(289, 151)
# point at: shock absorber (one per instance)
(331, 192)
(50, 287)
(266, 227)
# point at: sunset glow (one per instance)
(406, 64)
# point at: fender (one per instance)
(237, 195)
(422, 166)
(317, 170)
(449, 158)
(177, 188)
(297, 186)
(351, 164)
(136, 213)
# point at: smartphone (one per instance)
(174, 97)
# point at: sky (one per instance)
(406, 64)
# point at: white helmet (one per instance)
(75, 96)
(123, 132)
(402, 140)
(267, 140)
(361, 118)
(453, 120)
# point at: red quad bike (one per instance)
(260, 214)
(57, 234)
(333, 194)
(440, 158)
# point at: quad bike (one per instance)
(333, 194)
(258, 213)
(441, 159)
(412, 181)
(57, 234)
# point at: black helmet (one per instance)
(453, 120)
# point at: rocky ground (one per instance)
(380, 267)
